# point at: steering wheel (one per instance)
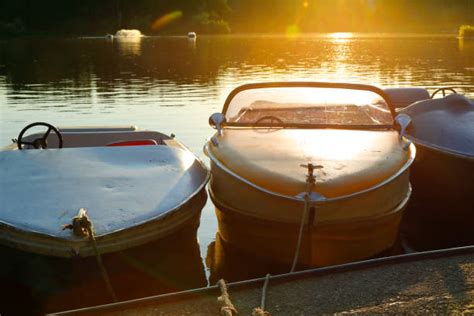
(40, 142)
(273, 120)
(442, 90)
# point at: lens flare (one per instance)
(166, 19)
(292, 30)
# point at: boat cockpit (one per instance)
(44, 135)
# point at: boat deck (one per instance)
(132, 195)
(437, 282)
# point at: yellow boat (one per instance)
(308, 173)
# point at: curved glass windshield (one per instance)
(275, 106)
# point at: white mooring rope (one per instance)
(300, 233)
(310, 181)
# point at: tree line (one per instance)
(92, 17)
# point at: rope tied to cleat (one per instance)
(310, 182)
(81, 226)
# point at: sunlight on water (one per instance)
(338, 35)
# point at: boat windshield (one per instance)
(287, 106)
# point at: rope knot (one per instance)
(260, 312)
(81, 225)
(227, 308)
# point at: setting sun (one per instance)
(341, 35)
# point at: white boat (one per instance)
(128, 34)
(130, 197)
(309, 173)
(133, 186)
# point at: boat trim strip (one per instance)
(444, 150)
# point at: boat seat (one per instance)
(137, 142)
(403, 97)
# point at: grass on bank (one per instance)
(466, 31)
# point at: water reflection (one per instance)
(128, 45)
(192, 42)
(466, 46)
(382, 61)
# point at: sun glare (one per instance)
(341, 35)
(328, 145)
(292, 30)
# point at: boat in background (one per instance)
(441, 213)
(117, 189)
(125, 34)
(317, 173)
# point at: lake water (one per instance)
(173, 84)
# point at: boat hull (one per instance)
(325, 241)
(116, 241)
(251, 200)
(322, 245)
(133, 195)
(441, 213)
(50, 283)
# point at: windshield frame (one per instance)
(311, 84)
